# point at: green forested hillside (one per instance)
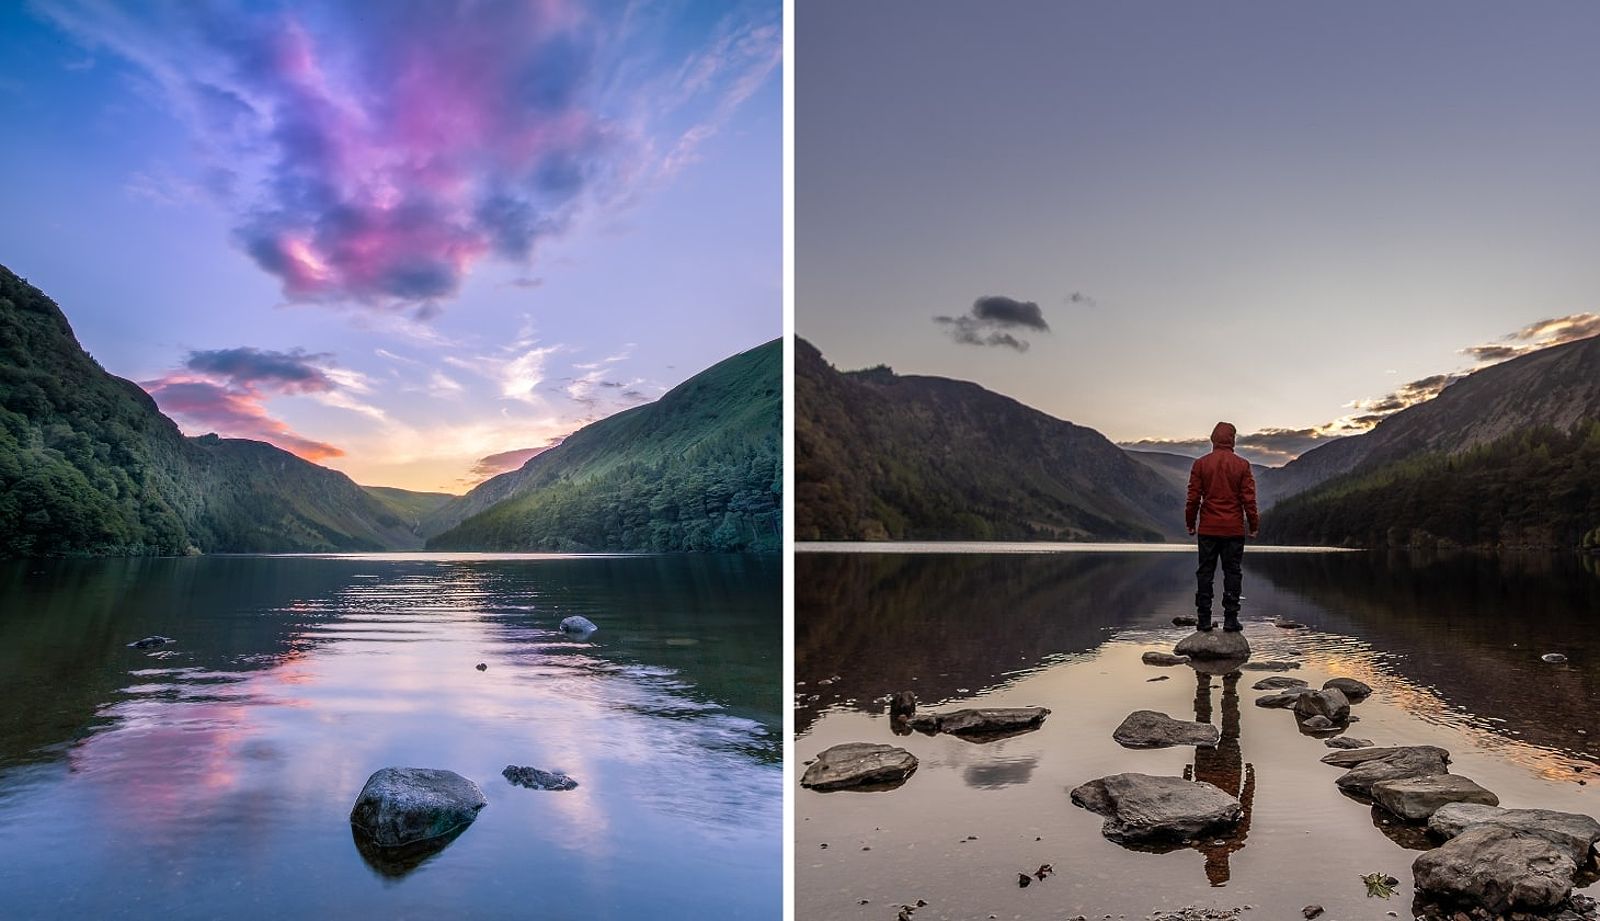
(410, 506)
(1537, 488)
(699, 469)
(89, 465)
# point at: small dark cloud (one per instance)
(295, 371)
(1079, 299)
(990, 319)
(506, 461)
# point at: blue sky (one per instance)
(398, 239)
(1287, 215)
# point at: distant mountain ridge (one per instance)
(699, 469)
(880, 455)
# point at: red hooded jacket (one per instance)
(1222, 490)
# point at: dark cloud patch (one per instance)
(506, 461)
(295, 371)
(1079, 299)
(990, 321)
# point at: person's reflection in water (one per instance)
(1223, 767)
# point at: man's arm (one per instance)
(1248, 494)
(1191, 508)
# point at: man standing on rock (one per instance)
(1222, 508)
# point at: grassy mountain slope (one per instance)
(880, 455)
(409, 505)
(698, 469)
(89, 465)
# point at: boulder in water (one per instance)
(578, 624)
(535, 779)
(1214, 644)
(1329, 703)
(1162, 658)
(1368, 766)
(1185, 620)
(1150, 729)
(1346, 742)
(903, 704)
(978, 721)
(1416, 798)
(1353, 690)
(1142, 809)
(859, 764)
(1574, 833)
(1500, 870)
(1278, 683)
(404, 806)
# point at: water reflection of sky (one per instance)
(1067, 632)
(218, 783)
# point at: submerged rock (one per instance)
(1278, 682)
(403, 806)
(1554, 658)
(1140, 808)
(1498, 869)
(1353, 690)
(1163, 658)
(1346, 742)
(578, 624)
(151, 642)
(535, 779)
(1329, 703)
(1150, 729)
(1185, 620)
(859, 764)
(982, 720)
(1368, 766)
(1416, 798)
(1214, 644)
(1574, 833)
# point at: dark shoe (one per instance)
(1232, 625)
(1204, 624)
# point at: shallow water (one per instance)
(214, 777)
(1450, 645)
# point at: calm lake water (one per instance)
(1450, 645)
(213, 778)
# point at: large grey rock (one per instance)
(1416, 798)
(1150, 729)
(1574, 833)
(1498, 869)
(578, 624)
(982, 720)
(1214, 644)
(1374, 765)
(1162, 658)
(402, 806)
(856, 764)
(1278, 683)
(1140, 808)
(1353, 690)
(1329, 703)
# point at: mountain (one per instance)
(1508, 456)
(698, 469)
(880, 455)
(89, 465)
(1175, 468)
(1557, 386)
(408, 505)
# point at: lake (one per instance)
(214, 777)
(1450, 644)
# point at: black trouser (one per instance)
(1231, 549)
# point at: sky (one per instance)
(413, 241)
(1147, 217)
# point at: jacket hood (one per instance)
(1222, 436)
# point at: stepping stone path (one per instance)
(1346, 742)
(856, 764)
(1278, 682)
(1150, 729)
(1496, 868)
(1368, 766)
(1574, 833)
(982, 721)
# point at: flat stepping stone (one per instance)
(1278, 682)
(1269, 665)
(1163, 659)
(1287, 697)
(1214, 644)
(1346, 742)
(859, 764)
(1574, 833)
(1150, 729)
(1368, 766)
(1144, 809)
(1497, 869)
(1416, 798)
(1353, 690)
(982, 720)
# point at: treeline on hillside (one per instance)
(1538, 488)
(708, 500)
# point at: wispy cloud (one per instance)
(373, 153)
